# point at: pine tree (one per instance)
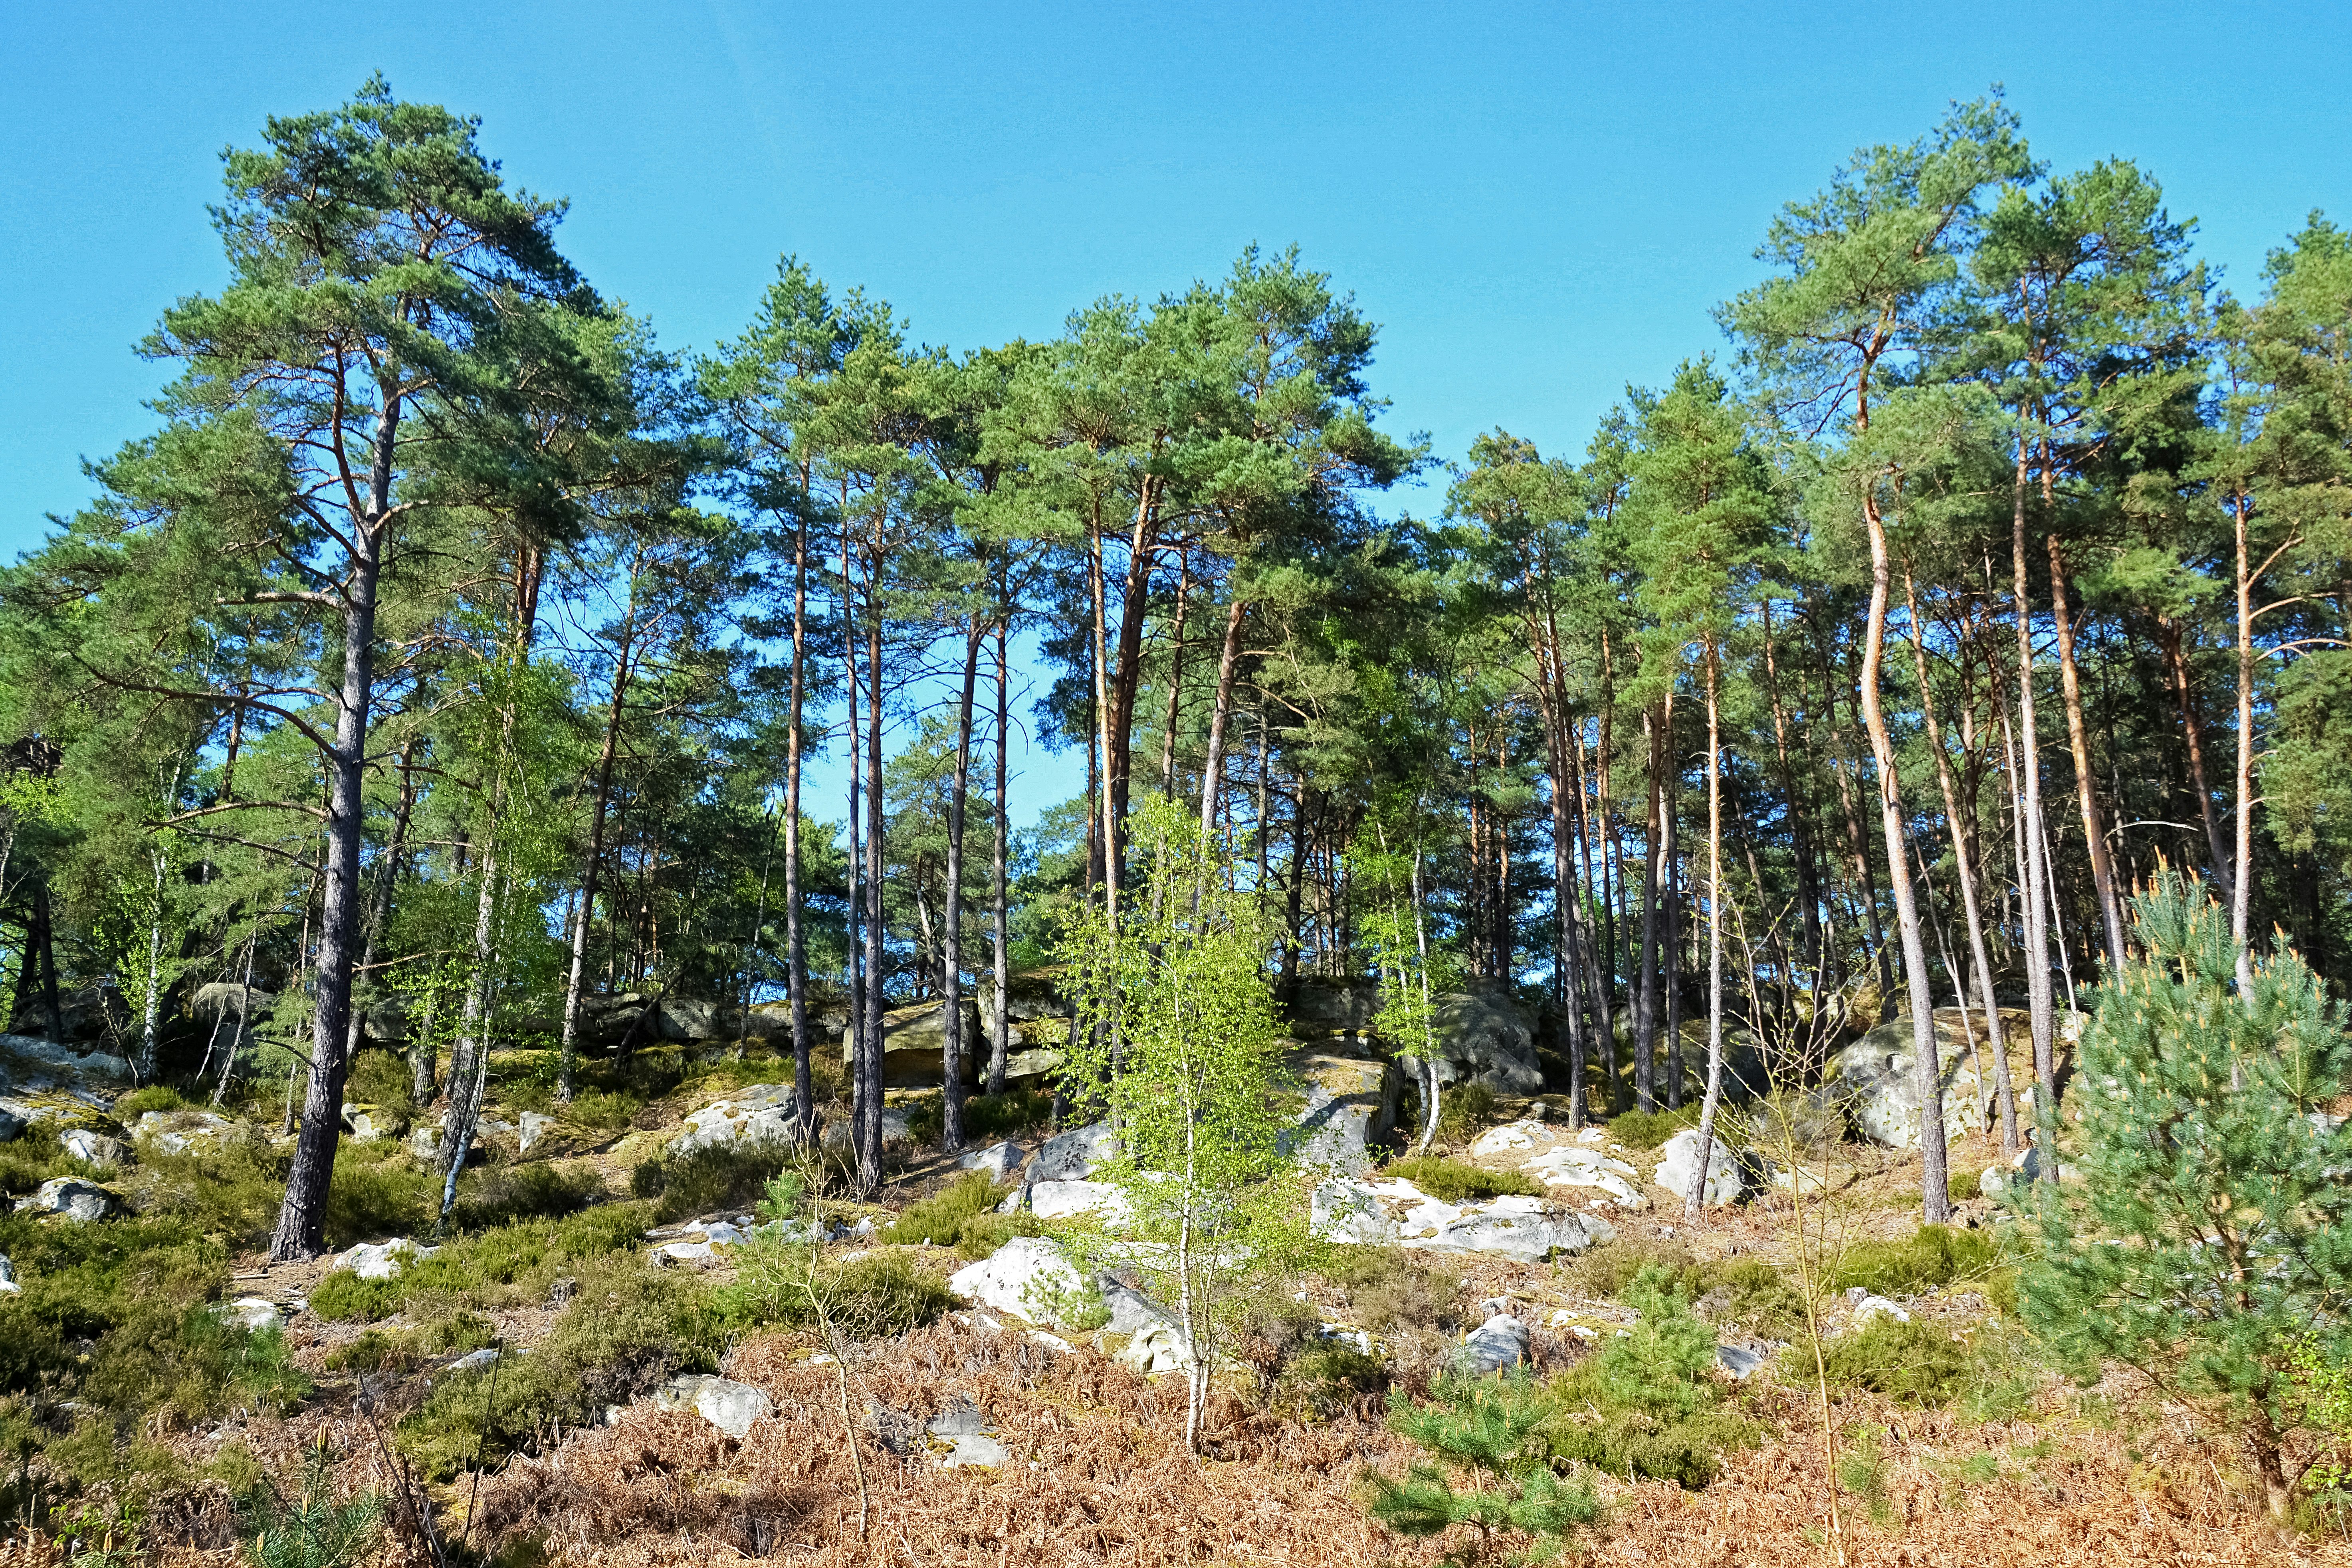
(2212, 1233)
(1495, 1433)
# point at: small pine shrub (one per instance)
(1331, 1377)
(1645, 1404)
(1456, 1181)
(1917, 1363)
(603, 1110)
(310, 1529)
(1492, 1433)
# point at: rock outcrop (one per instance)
(1397, 1213)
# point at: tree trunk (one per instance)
(1213, 766)
(1936, 1197)
(795, 897)
(1645, 1015)
(1000, 1026)
(2103, 874)
(952, 915)
(301, 1230)
(2175, 666)
(1714, 1098)
(2242, 863)
(2033, 868)
(869, 1160)
(568, 1054)
(1176, 685)
(1962, 860)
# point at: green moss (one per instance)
(1454, 1181)
(1463, 1110)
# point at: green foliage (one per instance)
(940, 1219)
(504, 1266)
(706, 1180)
(1931, 1256)
(1456, 1181)
(1175, 1033)
(628, 1327)
(987, 1118)
(2212, 1237)
(310, 1529)
(982, 1234)
(791, 1284)
(1743, 1290)
(1644, 1405)
(382, 1079)
(1464, 1110)
(1920, 1362)
(1650, 1129)
(1861, 1471)
(127, 1108)
(1389, 1293)
(1493, 1433)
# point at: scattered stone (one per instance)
(1052, 1341)
(965, 1432)
(530, 1128)
(762, 1113)
(1399, 1213)
(1510, 1135)
(1738, 1360)
(476, 1359)
(1573, 1164)
(365, 1128)
(685, 1252)
(8, 1286)
(1029, 1277)
(12, 1126)
(838, 1134)
(1500, 1342)
(425, 1143)
(1075, 1154)
(1680, 1164)
(1066, 1200)
(78, 1200)
(723, 1235)
(729, 1406)
(999, 1160)
(254, 1314)
(382, 1259)
(1867, 1306)
(96, 1148)
(181, 1131)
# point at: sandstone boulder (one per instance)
(78, 1200)
(1500, 1343)
(1351, 1105)
(1075, 1155)
(1029, 1277)
(95, 1147)
(762, 1114)
(727, 1405)
(1678, 1164)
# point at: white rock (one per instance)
(1510, 1135)
(476, 1359)
(1680, 1164)
(8, 1286)
(1052, 1341)
(1029, 1277)
(77, 1199)
(531, 1127)
(382, 1261)
(1075, 1154)
(979, 1449)
(95, 1147)
(180, 1132)
(763, 1114)
(1154, 1349)
(729, 1406)
(254, 1314)
(1867, 1306)
(1066, 1200)
(686, 1252)
(999, 1160)
(425, 1143)
(1575, 1166)
(365, 1128)
(1383, 1212)
(722, 1234)
(1350, 1211)
(1501, 1341)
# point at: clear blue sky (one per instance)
(1537, 204)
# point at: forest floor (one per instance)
(1996, 1459)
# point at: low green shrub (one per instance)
(28, 1162)
(230, 1188)
(987, 1118)
(603, 1110)
(376, 1194)
(709, 1179)
(129, 1108)
(504, 1266)
(1388, 1293)
(627, 1328)
(503, 1194)
(1649, 1129)
(876, 1296)
(1924, 1365)
(1463, 1110)
(1330, 1378)
(382, 1079)
(939, 1219)
(982, 1234)
(1644, 1404)
(1454, 1181)
(1933, 1255)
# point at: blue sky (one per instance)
(1537, 204)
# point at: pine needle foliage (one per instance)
(1490, 1434)
(2211, 1234)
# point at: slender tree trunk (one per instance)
(1000, 1026)
(302, 1229)
(1213, 766)
(853, 1038)
(2033, 867)
(1645, 1026)
(1671, 968)
(2175, 666)
(795, 895)
(1801, 834)
(567, 1069)
(1176, 686)
(951, 916)
(1104, 714)
(1936, 1197)
(869, 1163)
(2242, 863)
(2003, 1093)
(2103, 874)
(1714, 1098)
